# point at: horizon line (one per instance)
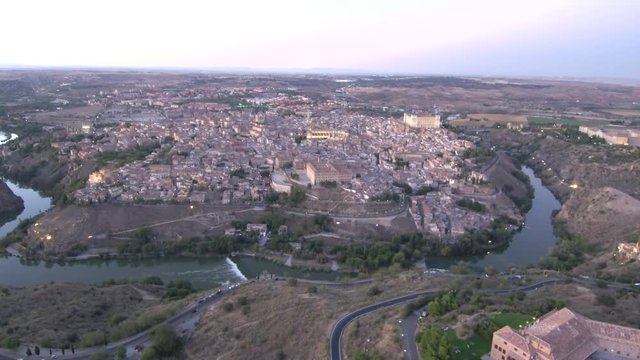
(241, 70)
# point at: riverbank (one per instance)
(11, 205)
(34, 204)
(528, 246)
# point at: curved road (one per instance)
(335, 339)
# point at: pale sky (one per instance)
(584, 38)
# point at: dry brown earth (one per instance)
(603, 215)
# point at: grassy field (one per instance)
(511, 319)
(565, 121)
(477, 346)
(472, 348)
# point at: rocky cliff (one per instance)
(10, 204)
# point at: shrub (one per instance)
(153, 280)
(228, 306)
(92, 338)
(121, 353)
(148, 354)
(242, 300)
(116, 319)
(606, 300)
(373, 291)
(11, 342)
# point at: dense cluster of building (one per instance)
(437, 213)
(565, 335)
(203, 151)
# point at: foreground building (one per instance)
(565, 335)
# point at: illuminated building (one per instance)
(425, 122)
(324, 171)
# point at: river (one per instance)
(203, 273)
(34, 204)
(527, 247)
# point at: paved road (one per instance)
(335, 339)
(408, 328)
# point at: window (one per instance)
(495, 346)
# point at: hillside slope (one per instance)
(602, 215)
(10, 204)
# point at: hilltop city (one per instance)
(162, 215)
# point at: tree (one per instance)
(36, 350)
(148, 354)
(297, 196)
(434, 344)
(92, 338)
(29, 353)
(165, 340)
(121, 352)
(460, 268)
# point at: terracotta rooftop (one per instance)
(563, 330)
(572, 336)
(513, 338)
